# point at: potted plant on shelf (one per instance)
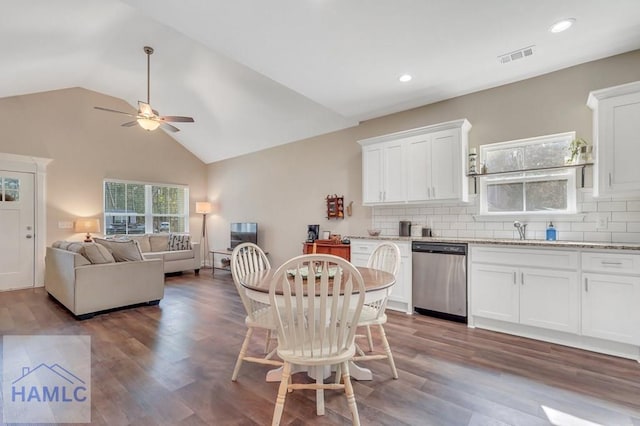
(579, 150)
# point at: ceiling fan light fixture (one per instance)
(148, 124)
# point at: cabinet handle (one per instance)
(522, 278)
(428, 193)
(380, 196)
(604, 262)
(609, 179)
(514, 278)
(433, 189)
(586, 285)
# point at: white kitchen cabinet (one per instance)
(524, 286)
(400, 298)
(430, 174)
(495, 292)
(611, 296)
(383, 173)
(424, 164)
(615, 139)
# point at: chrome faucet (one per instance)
(522, 229)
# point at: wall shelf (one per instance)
(566, 166)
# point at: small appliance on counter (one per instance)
(405, 228)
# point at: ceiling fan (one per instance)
(148, 118)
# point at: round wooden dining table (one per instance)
(376, 282)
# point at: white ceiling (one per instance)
(256, 73)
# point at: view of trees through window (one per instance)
(137, 208)
(526, 190)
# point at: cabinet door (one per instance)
(445, 165)
(610, 307)
(400, 298)
(618, 149)
(372, 174)
(394, 173)
(549, 299)
(418, 169)
(495, 292)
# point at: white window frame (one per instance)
(148, 203)
(555, 173)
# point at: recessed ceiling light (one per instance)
(560, 26)
(405, 77)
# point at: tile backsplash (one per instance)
(601, 219)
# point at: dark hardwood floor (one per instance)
(171, 364)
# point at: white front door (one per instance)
(17, 221)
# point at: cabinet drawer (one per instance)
(545, 258)
(611, 262)
(368, 246)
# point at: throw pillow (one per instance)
(97, 253)
(179, 242)
(159, 242)
(122, 251)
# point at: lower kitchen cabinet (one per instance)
(531, 296)
(611, 307)
(400, 298)
(584, 298)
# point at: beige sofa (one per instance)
(86, 288)
(176, 258)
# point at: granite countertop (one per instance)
(513, 242)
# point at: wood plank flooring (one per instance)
(171, 365)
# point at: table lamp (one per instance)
(87, 225)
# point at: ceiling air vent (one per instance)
(515, 55)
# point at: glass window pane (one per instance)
(167, 200)
(548, 154)
(114, 197)
(135, 198)
(504, 160)
(11, 184)
(505, 197)
(546, 195)
(168, 224)
(11, 195)
(115, 225)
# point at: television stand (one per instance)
(224, 257)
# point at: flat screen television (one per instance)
(244, 232)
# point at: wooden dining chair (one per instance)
(385, 257)
(247, 258)
(316, 299)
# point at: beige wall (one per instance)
(283, 188)
(87, 146)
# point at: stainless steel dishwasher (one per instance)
(440, 280)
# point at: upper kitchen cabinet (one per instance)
(616, 130)
(423, 164)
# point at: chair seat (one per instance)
(306, 359)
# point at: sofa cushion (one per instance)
(177, 255)
(143, 242)
(179, 242)
(154, 255)
(159, 242)
(97, 253)
(122, 251)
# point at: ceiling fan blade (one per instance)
(169, 127)
(176, 119)
(129, 124)
(114, 110)
(145, 109)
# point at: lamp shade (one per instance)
(87, 225)
(147, 123)
(203, 207)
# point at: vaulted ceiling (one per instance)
(256, 74)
